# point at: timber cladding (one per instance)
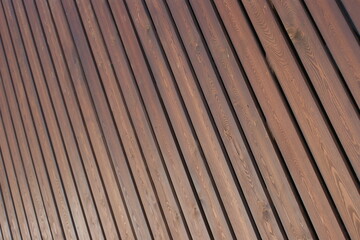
(179, 119)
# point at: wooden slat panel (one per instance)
(20, 228)
(193, 154)
(339, 108)
(279, 120)
(247, 112)
(55, 135)
(119, 159)
(37, 157)
(27, 160)
(123, 124)
(141, 122)
(339, 39)
(65, 128)
(215, 157)
(162, 130)
(4, 222)
(69, 228)
(321, 142)
(77, 125)
(353, 8)
(39, 165)
(5, 216)
(183, 119)
(17, 160)
(79, 83)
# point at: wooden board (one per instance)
(179, 119)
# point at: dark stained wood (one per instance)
(343, 116)
(39, 164)
(119, 111)
(17, 161)
(259, 141)
(72, 70)
(339, 39)
(280, 122)
(221, 173)
(179, 119)
(8, 175)
(26, 159)
(329, 158)
(352, 7)
(119, 161)
(8, 204)
(130, 94)
(78, 127)
(162, 130)
(29, 75)
(71, 151)
(5, 232)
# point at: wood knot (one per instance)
(266, 213)
(295, 33)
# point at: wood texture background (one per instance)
(179, 119)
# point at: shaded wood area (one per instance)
(179, 119)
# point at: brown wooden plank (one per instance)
(4, 219)
(77, 125)
(44, 138)
(39, 164)
(339, 39)
(162, 184)
(41, 173)
(192, 154)
(114, 143)
(85, 100)
(353, 8)
(316, 132)
(279, 120)
(163, 133)
(257, 136)
(160, 125)
(65, 128)
(8, 167)
(156, 167)
(328, 86)
(9, 200)
(158, 119)
(24, 152)
(20, 168)
(119, 110)
(184, 77)
(79, 83)
(62, 157)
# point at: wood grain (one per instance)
(9, 224)
(280, 121)
(312, 123)
(179, 119)
(339, 39)
(327, 83)
(352, 8)
(77, 126)
(247, 112)
(79, 84)
(4, 222)
(164, 136)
